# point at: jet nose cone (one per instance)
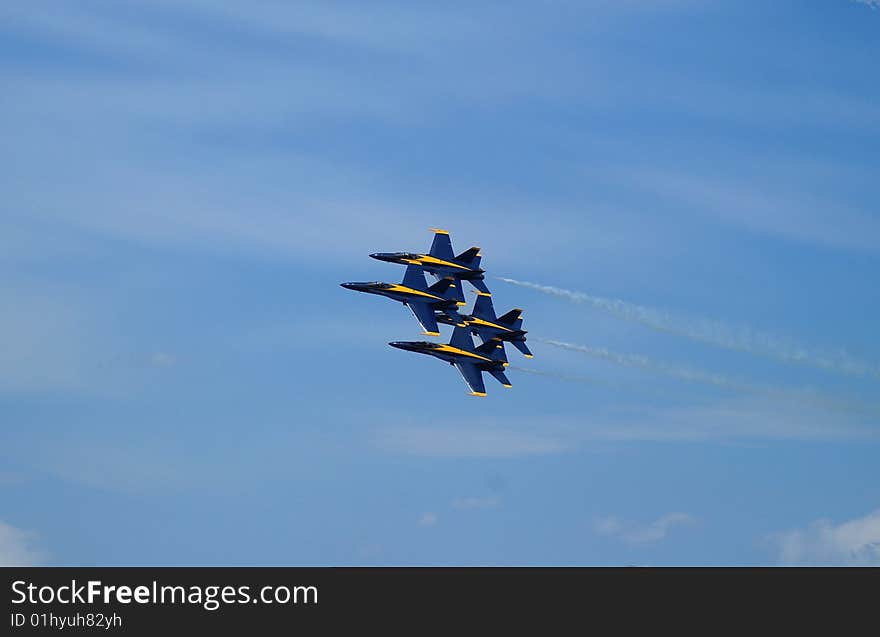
(401, 345)
(348, 286)
(383, 256)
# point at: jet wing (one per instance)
(424, 314)
(501, 377)
(473, 377)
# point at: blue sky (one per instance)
(183, 381)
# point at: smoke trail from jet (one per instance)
(571, 377)
(643, 362)
(709, 378)
(716, 333)
(603, 383)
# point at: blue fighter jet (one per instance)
(441, 260)
(483, 322)
(470, 361)
(426, 303)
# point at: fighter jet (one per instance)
(470, 361)
(483, 323)
(441, 260)
(426, 303)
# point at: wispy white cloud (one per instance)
(51, 340)
(253, 208)
(874, 4)
(17, 547)
(147, 457)
(742, 419)
(60, 338)
(181, 79)
(855, 541)
(428, 519)
(473, 502)
(162, 359)
(12, 477)
(118, 136)
(110, 140)
(788, 215)
(650, 533)
(749, 419)
(465, 442)
(143, 466)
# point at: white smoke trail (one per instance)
(630, 387)
(710, 378)
(716, 333)
(569, 377)
(643, 362)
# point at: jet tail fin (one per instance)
(483, 307)
(441, 287)
(441, 247)
(450, 289)
(487, 348)
(494, 349)
(511, 317)
(470, 258)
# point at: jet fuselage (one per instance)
(449, 353)
(434, 265)
(395, 291)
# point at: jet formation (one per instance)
(441, 303)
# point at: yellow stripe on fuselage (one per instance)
(461, 352)
(407, 290)
(479, 321)
(427, 259)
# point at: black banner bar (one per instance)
(150, 600)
